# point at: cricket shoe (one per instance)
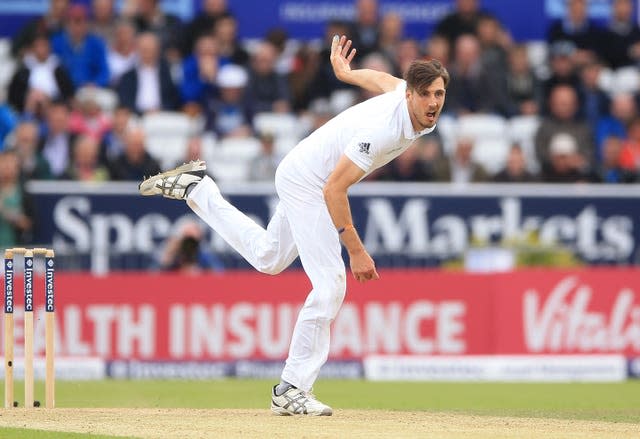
(298, 402)
(174, 183)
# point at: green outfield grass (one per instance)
(605, 402)
(613, 402)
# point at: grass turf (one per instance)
(610, 402)
(613, 402)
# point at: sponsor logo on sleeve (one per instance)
(363, 147)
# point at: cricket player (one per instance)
(313, 215)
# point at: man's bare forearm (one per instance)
(340, 212)
(371, 80)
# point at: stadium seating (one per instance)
(231, 158)
(167, 134)
(489, 135)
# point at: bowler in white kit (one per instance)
(313, 215)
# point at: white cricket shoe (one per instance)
(174, 183)
(297, 402)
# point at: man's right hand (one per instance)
(362, 266)
(340, 57)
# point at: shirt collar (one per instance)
(407, 126)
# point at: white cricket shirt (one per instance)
(370, 134)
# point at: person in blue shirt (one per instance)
(82, 53)
(8, 121)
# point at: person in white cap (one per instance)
(313, 214)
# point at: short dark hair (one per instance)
(422, 73)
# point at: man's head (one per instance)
(577, 11)
(40, 47)
(148, 48)
(563, 148)
(26, 138)
(563, 102)
(367, 12)
(57, 118)
(264, 59)
(9, 166)
(426, 88)
(622, 10)
(135, 145)
(77, 22)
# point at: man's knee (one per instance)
(270, 268)
(329, 294)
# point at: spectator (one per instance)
(630, 155)
(324, 82)
(85, 164)
(563, 118)
(135, 163)
(228, 116)
(121, 52)
(150, 17)
(622, 111)
(40, 78)
(56, 145)
(620, 44)
(15, 209)
(203, 23)
(148, 86)
(563, 69)
(578, 29)
(194, 150)
(199, 75)
(594, 103)
(407, 167)
(88, 119)
(460, 167)
(391, 34)
(472, 88)
(267, 90)
(184, 252)
(494, 44)
(225, 32)
(33, 165)
(302, 77)
(408, 50)
(365, 28)
(104, 20)
(49, 25)
(263, 166)
(522, 85)
(463, 20)
(114, 141)
(374, 61)
(437, 47)
(285, 50)
(82, 53)
(8, 120)
(515, 171)
(565, 164)
(610, 171)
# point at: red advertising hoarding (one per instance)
(247, 315)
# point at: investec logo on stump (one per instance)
(49, 302)
(28, 284)
(8, 286)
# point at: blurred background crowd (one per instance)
(91, 93)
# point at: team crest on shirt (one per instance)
(364, 147)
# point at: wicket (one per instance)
(49, 258)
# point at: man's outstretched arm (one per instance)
(371, 80)
(335, 190)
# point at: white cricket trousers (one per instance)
(301, 226)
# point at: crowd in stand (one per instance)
(55, 123)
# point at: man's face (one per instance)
(425, 107)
